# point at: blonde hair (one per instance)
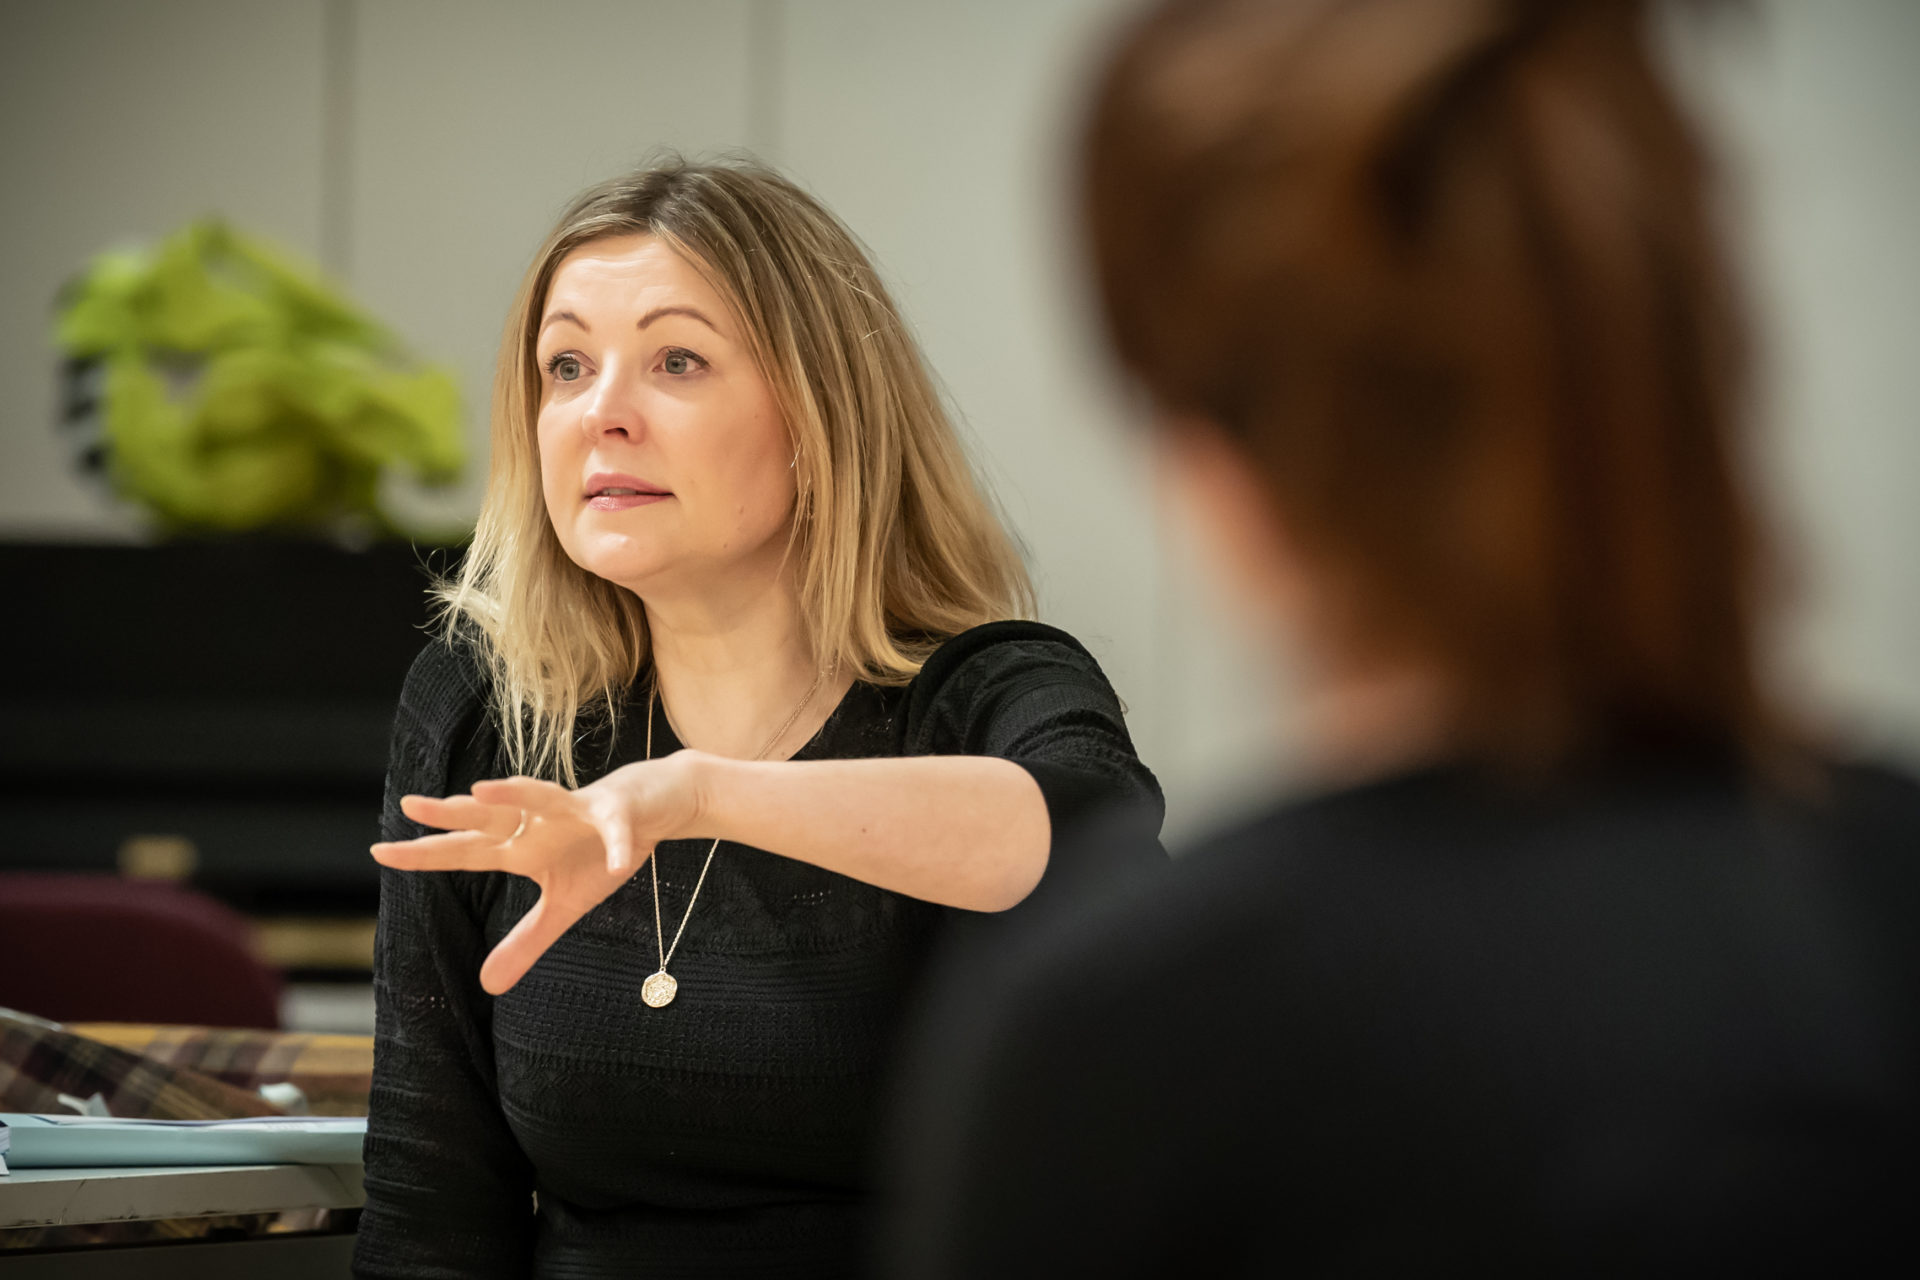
(898, 546)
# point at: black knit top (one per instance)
(565, 1128)
(1664, 1021)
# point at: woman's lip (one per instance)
(600, 480)
(622, 501)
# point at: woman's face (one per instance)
(664, 461)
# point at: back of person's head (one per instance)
(1446, 275)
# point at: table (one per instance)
(50, 1197)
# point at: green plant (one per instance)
(234, 391)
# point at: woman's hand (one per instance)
(578, 846)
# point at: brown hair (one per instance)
(1445, 270)
(896, 544)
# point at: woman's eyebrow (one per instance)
(693, 312)
(555, 317)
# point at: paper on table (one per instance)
(63, 1141)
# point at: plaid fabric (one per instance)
(174, 1073)
(335, 1072)
(37, 1065)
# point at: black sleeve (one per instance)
(449, 1192)
(1032, 694)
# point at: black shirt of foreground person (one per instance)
(728, 1133)
(1662, 1023)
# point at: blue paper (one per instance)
(67, 1141)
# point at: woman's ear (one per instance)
(1215, 492)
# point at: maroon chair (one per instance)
(98, 948)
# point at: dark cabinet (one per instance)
(224, 704)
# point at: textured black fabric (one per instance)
(727, 1134)
(1658, 1024)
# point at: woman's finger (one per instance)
(619, 850)
(462, 813)
(525, 943)
(609, 818)
(532, 794)
(449, 851)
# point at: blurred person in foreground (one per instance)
(738, 609)
(1579, 958)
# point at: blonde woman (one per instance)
(739, 618)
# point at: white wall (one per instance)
(1818, 107)
(420, 147)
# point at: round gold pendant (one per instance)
(659, 990)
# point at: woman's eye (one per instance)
(563, 368)
(680, 362)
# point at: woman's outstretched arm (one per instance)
(962, 831)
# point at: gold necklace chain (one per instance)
(660, 987)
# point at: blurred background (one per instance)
(210, 706)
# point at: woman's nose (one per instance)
(612, 408)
